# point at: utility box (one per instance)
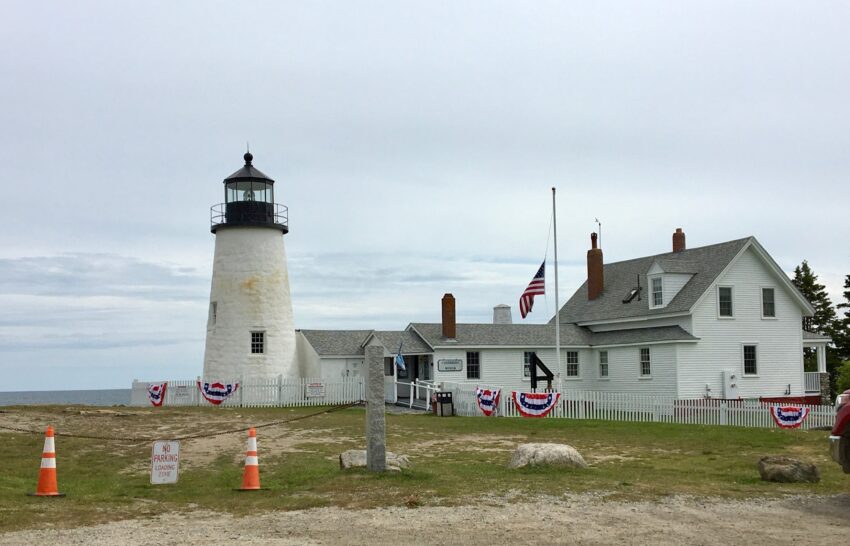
(445, 404)
(730, 385)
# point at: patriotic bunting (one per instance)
(535, 404)
(788, 416)
(216, 393)
(156, 393)
(488, 400)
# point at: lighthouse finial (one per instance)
(248, 156)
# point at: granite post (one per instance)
(376, 426)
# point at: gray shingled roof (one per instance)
(811, 336)
(413, 344)
(337, 342)
(642, 335)
(543, 335)
(350, 342)
(705, 263)
(526, 335)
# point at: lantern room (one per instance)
(249, 201)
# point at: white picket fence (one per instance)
(255, 393)
(647, 408)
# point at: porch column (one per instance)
(821, 353)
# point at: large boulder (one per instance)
(356, 458)
(787, 470)
(546, 454)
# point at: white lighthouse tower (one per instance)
(250, 331)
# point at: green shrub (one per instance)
(842, 382)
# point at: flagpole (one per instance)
(557, 307)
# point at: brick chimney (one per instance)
(449, 320)
(595, 281)
(678, 240)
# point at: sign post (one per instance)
(165, 461)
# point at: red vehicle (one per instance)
(839, 441)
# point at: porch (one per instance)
(816, 383)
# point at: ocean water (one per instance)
(100, 397)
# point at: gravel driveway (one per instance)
(575, 519)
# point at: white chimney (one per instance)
(502, 314)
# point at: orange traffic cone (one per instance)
(47, 475)
(251, 475)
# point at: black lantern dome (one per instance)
(249, 201)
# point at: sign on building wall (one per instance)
(450, 365)
(315, 390)
(165, 461)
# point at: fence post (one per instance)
(724, 413)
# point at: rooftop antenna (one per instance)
(599, 228)
(248, 146)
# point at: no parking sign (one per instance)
(165, 461)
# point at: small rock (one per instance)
(356, 458)
(546, 454)
(787, 470)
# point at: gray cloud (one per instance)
(415, 145)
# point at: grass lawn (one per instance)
(455, 460)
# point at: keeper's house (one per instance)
(719, 321)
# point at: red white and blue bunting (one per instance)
(216, 393)
(788, 416)
(488, 400)
(535, 404)
(156, 393)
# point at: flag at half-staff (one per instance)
(536, 287)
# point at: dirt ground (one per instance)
(574, 519)
(568, 519)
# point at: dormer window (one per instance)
(657, 292)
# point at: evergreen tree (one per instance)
(807, 282)
(841, 330)
(823, 322)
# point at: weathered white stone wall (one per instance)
(250, 289)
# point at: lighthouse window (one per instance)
(258, 342)
(212, 317)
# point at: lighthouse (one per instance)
(250, 330)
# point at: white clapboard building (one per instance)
(719, 321)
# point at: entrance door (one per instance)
(414, 370)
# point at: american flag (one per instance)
(536, 287)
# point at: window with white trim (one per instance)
(751, 360)
(213, 314)
(258, 343)
(473, 365)
(572, 363)
(603, 364)
(657, 292)
(724, 301)
(768, 303)
(645, 362)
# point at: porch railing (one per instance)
(812, 382)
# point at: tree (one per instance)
(807, 283)
(823, 322)
(841, 329)
(843, 381)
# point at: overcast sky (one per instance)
(415, 144)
